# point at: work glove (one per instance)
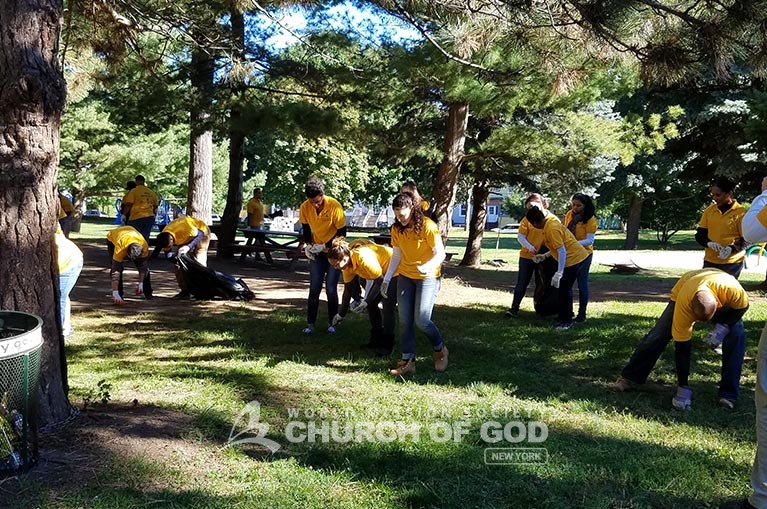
(361, 308)
(715, 246)
(183, 250)
(555, 279)
(317, 248)
(354, 304)
(116, 297)
(540, 257)
(169, 254)
(337, 319)
(716, 337)
(139, 288)
(384, 289)
(308, 251)
(725, 252)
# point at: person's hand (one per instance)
(715, 246)
(139, 288)
(725, 252)
(317, 248)
(116, 297)
(337, 320)
(716, 337)
(384, 289)
(540, 257)
(183, 250)
(555, 279)
(308, 251)
(169, 254)
(425, 269)
(361, 308)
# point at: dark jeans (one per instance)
(565, 292)
(524, 276)
(583, 285)
(415, 298)
(650, 348)
(143, 225)
(320, 271)
(732, 269)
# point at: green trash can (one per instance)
(21, 342)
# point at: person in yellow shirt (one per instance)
(322, 219)
(255, 209)
(720, 232)
(181, 236)
(700, 295)
(417, 256)
(569, 255)
(66, 214)
(140, 205)
(70, 263)
(582, 223)
(369, 261)
(126, 243)
(130, 185)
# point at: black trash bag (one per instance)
(205, 283)
(545, 300)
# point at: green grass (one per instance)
(605, 450)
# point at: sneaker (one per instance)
(404, 367)
(182, 295)
(563, 326)
(580, 319)
(511, 313)
(727, 404)
(331, 330)
(622, 385)
(737, 504)
(683, 398)
(440, 359)
(309, 329)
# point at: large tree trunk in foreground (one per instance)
(200, 199)
(450, 168)
(32, 96)
(480, 191)
(633, 223)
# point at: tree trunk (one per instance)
(32, 99)
(200, 198)
(633, 223)
(479, 195)
(450, 168)
(231, 217)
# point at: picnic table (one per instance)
(268, 241)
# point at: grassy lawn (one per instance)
(603, 450)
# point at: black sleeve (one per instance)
(729, 316)
(307, 233)
(341, 232)
(196, 240)
(701, 236)
(343, 308)
(739, 245)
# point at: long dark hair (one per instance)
(416, 221)
(588, 206)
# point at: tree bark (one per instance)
(480, 192)
(633, 222)
(32, 97)
(200, 198)
(450, 168)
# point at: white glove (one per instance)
(540, 257)
(139, 288)
(116, 297)
(317, 248)
(337, 320)
(725, 252)
(715, 246)
(169, 254)
(361, 308)
(353, 305)
(183, 250)
(384, 289)
(555, 279)
(716, 337)
(308, 251)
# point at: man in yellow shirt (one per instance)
(181, 236)
(66, 214)
(140, 205)
(255, 209)
(700, 295)
(126, 243)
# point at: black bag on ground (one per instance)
(545, 300)
(206, 283)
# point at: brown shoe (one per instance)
(404, 367)
(622, 385)
(440, 359)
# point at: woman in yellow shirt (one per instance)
(720, 231)
(582, 222)
(417, 255)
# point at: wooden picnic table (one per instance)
(267, 241)
(382, 238)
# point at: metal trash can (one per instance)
(21, 342)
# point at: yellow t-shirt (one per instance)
(255, 211)
(725, 288)
(143, 202)
(325, 223)
(416, 249)
(723, 229)
(582, 230)
(123, 237)
(534, 235)
(65, 207)
(368, 261)
(555, 235)
(184, 229)
(67, 252)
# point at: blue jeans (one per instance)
(415, 298)
(524, 276)
(733, 269)
(67, 281)
(565, 292)
(143, 225)
(320, 271)
(583, 285)
(650, 348)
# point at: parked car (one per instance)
(215, 218)
(94, 213)
(508, 228)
